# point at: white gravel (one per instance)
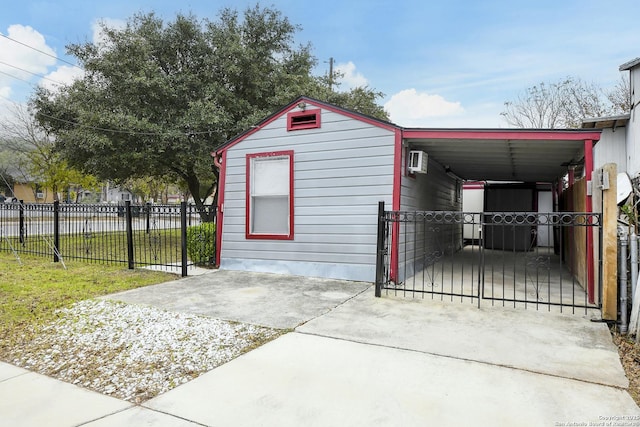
(134, 352)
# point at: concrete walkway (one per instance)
(354, 360)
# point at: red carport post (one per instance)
(588, 169)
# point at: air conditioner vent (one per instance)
(417, 162)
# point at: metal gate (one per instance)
(520, 259)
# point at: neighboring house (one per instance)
(115, 194)
(27, 193)
(620, 141)
(299, 192)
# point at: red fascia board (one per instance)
(512, 134)
(248, 133)
(313, 103)
(395, 203)
(473, 186)
(352, 115)
(220, 208)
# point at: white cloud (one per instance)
(351, 78)
(98, 33)
(64, 74)
(23, 60)
(411, 108)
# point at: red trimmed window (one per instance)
(308, 119)
(270, 196)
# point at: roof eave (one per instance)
(307, 100)
(629, 65)
(606, 122)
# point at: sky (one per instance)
(440, 64)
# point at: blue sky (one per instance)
(439, 63)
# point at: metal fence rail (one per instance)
(135, 235)
(521, 259)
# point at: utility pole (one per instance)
(331, 73)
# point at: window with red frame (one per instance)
(269, 195)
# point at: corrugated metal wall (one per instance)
(341, 171)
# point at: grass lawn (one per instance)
(31, 292)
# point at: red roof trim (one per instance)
(309, 103)
(475, 185)
(514, 134)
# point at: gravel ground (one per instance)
(134, 352)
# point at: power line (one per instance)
(41, 51)
(101, 129)
(17, 78)
(117, 131)
(30, 72)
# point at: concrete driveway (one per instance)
(354, 360)
(274, 300)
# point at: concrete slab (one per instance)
(176, 269)
(274, 300)
(37, 400)
(561, 345)
(138, 416)
(308, 380)
(8, 371)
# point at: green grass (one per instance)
(156, 247)
(31, 292)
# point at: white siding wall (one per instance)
(433, 191)
(611, 149)
(633, 128)
(341, 171)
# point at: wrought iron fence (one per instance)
(135, 235)
(525, 259)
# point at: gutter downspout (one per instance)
(624, 242)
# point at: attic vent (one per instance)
(309, 119)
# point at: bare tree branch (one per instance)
(564, 104)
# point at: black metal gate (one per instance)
(520, 259)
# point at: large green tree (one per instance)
(157, 97)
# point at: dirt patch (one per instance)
(629, 353)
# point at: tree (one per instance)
(33, 156)
(157, 97)
(562, 104)
(620, 95)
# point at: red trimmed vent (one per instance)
(309, 119)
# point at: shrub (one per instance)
(201, 243)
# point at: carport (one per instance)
(560, 159)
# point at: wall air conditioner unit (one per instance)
(418, 161)
(39, 195)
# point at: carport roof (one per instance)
(530, 155)
(503, 154)
(612, 122)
